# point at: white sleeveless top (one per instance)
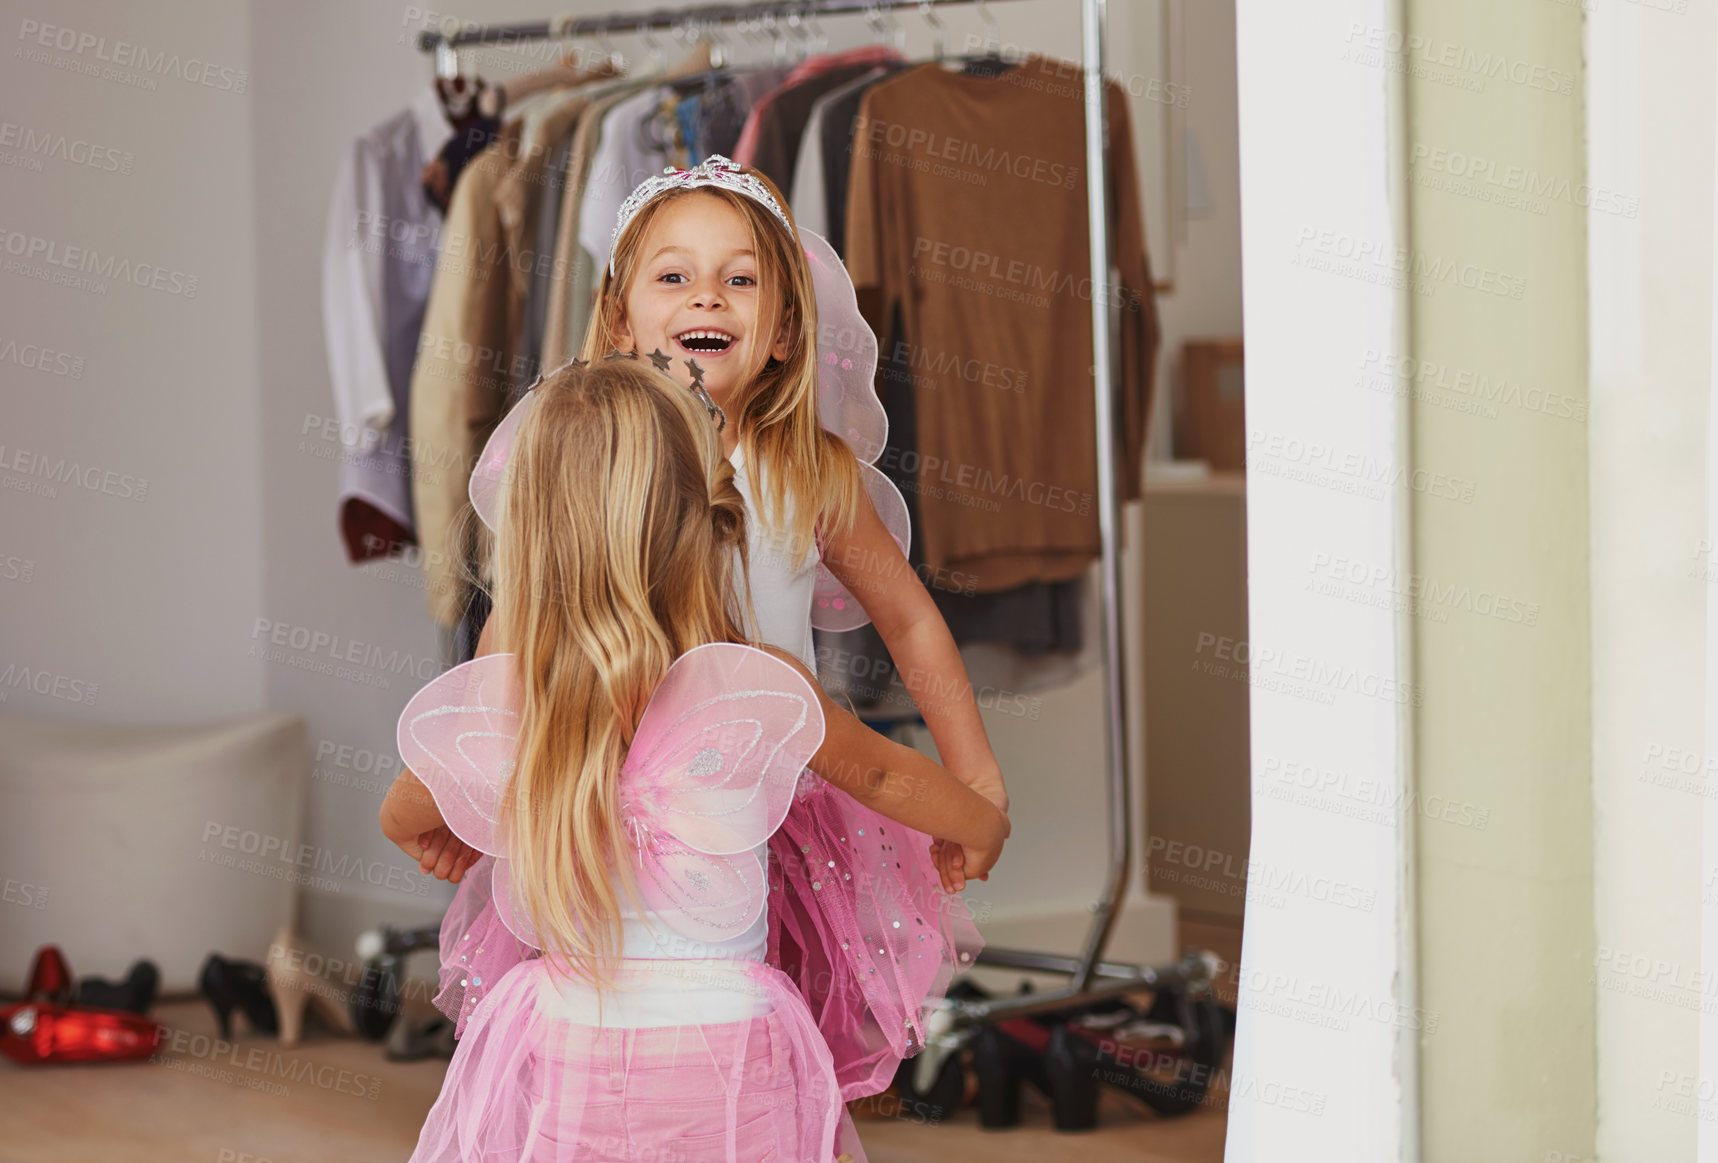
(781, 590)
(701, 988)
(781, 586)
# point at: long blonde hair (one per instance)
(614, 555)
(776, 404)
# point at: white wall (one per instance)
(140, 586)
(1650, 116)
(1322, 1063)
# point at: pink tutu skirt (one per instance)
(858, 920)
(537, 1078)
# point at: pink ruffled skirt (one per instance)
(861, 940)
(536, 1080)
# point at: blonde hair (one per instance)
(776, 403)
(616, 528)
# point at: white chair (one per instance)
(120, 842)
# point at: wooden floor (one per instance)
(335, 1100)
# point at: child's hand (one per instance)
(950, 859)
(976, 862)
(957, 863)
(445, 856)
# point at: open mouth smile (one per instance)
(705, 341)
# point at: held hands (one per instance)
(443, 855)
(957, 864)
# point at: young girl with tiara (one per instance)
(605, 788)
(707, 267)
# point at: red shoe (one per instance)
(33, 1032)
(50, 977)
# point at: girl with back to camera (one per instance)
(611, 779)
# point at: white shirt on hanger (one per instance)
(378, 260)
(622, 159)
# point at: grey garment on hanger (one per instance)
(782, 124)
(838, 118)
(1035, 619)
(1014, 643)
(724, 108)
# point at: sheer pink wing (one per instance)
(847, 402)
(848, 406)
(710, 777)
(833, 607)
(460, 735)
(490, 471)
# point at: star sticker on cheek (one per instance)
(661, 360)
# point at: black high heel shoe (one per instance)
(240, 985)
(135, 994)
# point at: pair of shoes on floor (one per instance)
(135, 994)
(274, 996)
(60, 1022)
(51, 981)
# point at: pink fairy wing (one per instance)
(699, 896)
(490, 472)
(832, 606)
(508, 907)
(847, 401)
(460, 736)
(720, 747)
(709, 777)
(847, 405)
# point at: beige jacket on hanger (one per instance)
(455, 399)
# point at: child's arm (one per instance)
(411, 820)
(902, 784)
(872, 567)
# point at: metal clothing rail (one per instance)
(1091, 978)
(697, 16)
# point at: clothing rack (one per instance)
(1091, 979)
(700, 16)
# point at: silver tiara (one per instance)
(715, 170)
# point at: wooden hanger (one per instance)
(565, 75)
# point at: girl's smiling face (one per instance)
(696, 295)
